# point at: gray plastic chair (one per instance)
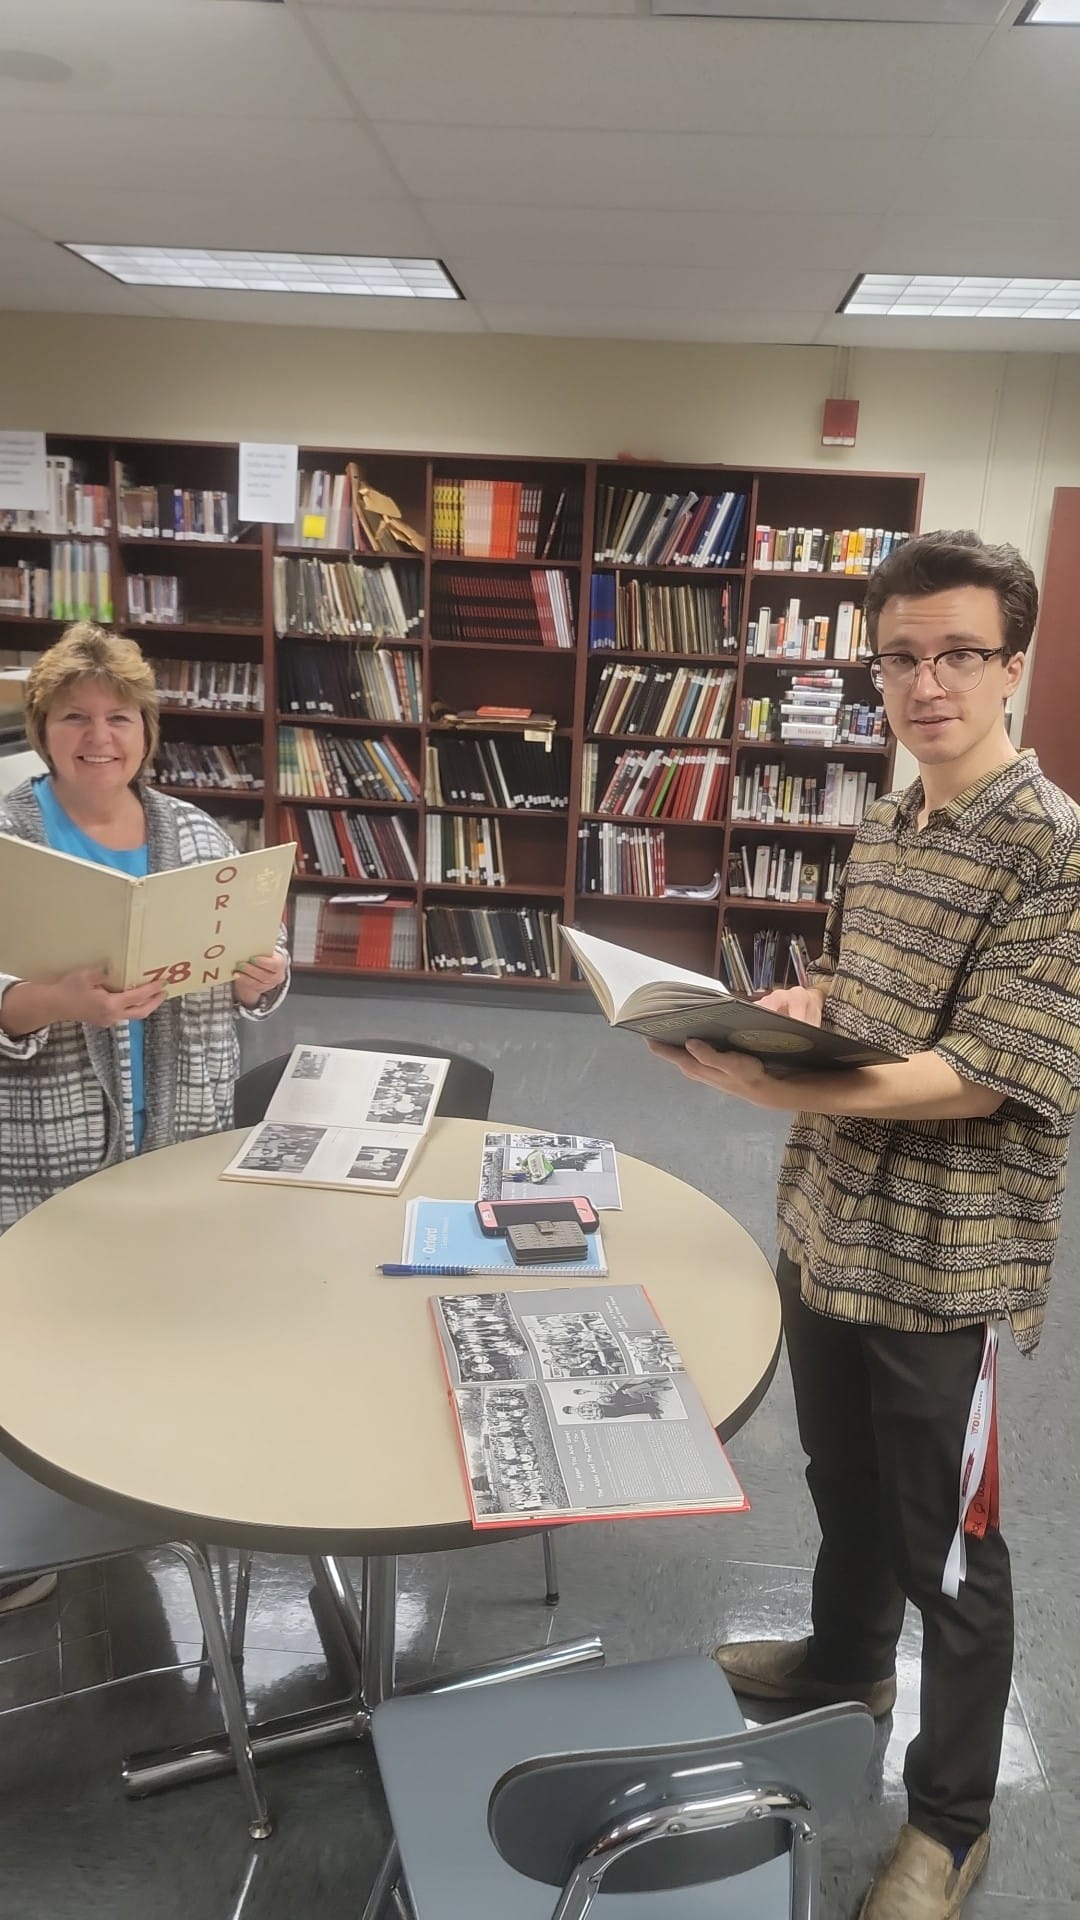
(529, 1800)
(41, 1532)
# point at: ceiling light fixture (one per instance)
(939, 296)
(235, 270)
(1049, 13)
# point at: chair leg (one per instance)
(384, 1884)
(240, 1609)
(232, 1702)
(551, 1571)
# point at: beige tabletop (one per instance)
(224, 1358)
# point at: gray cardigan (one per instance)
(65, 1092)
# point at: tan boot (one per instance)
(777, 1670)
(919, 1880)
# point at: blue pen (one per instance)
(397, 1270)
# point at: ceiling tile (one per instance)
(1009, 179)
(37, 276)
(560, 9)
(968, 336)
(704, 290)
(321, 310)
(300, 157)
(927, 243)
(126, 56)
(1026, 85)
(677, 75)
(637, 237)
(685, 171)
(246, 217)
(637, 324)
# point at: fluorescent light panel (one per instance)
(232, 270)
(938, 296)
(1050, 13)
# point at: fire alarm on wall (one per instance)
(839, 423)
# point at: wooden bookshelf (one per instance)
(226, 609)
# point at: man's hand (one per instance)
(83, 996)
(740, 1074)
(263, 974)
(798, 1003)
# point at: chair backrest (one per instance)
(466, 1091)
(41, 1530)
(545, 1813)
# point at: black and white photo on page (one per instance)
(582, 1168)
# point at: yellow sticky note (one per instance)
(314, 526)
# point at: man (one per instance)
(920, 1202)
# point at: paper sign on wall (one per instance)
(24, 479)
(267, 480)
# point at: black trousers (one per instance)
(882, 1418)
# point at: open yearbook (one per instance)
(344, 1119)
(572, 1403)
(670, 1003)
(188, 928)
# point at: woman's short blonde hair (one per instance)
(89, 652)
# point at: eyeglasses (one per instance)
(956, 670)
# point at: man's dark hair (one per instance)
(935, 562)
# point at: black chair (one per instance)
(638, 1786)
(466, 1091)
(41, 1532)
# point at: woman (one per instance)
(89, 1076)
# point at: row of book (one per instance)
(775, 795)
(234, 769)
(523, 609)
(350, 683)
(464, 849)
(154, 512)
(617, 859)
(653, 616)
(334, 766)
(76, 585)
(346, 600)
(779, 871)
(334, 845)
(773, 961)
(211, 686)
(685, 703)
(75, 505)
(660, 784)
(341, 510)
(506, 520)
(510, 942)
(793, 635)
(843, 723)
(510, 772)
(154, 600)
(370, 935)
(636, 527)
(856, 550)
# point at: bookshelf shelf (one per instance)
(351, 805)
(228, 615)
(346, 723)
(759, 827)
(502, 646)
(343, 883)
(650, 820)
(878, 747)
(756, 904)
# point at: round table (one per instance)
(223, 1360)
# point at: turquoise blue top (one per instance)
(65, 837)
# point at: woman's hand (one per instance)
(263, 974)
(81, 996)
(799, 1003)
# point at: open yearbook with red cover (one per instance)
(572, 1403)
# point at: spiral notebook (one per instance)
(447, 1233)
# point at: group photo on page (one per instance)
(539, 959)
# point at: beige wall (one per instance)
(994, 433)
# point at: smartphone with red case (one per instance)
(496, 1215)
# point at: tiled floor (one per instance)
(70, 1845)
